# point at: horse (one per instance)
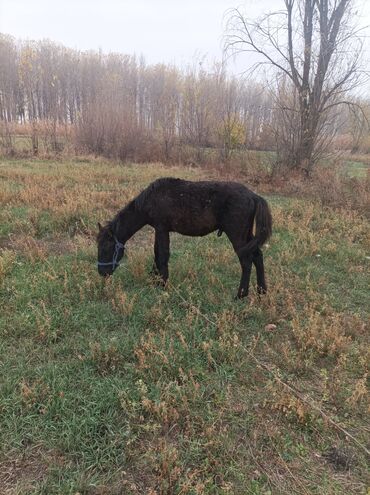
(193, 209)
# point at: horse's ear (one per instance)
(100, 227)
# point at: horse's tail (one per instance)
(263, 220)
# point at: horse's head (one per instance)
(110, 250)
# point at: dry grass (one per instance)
(144, 391)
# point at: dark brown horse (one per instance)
(194, 209)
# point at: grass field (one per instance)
(125, 388)
(244, 160)
(358, 169)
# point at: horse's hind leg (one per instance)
(246, 264)
(258, 263)
(162, 252)
(239, 241)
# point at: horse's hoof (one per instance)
(261, 290)
(154, 271)
(241, 295)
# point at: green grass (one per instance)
(357, 169)
(123, 387)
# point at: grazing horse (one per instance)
(194, 209)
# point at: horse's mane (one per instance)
(136, 204)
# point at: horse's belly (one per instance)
(195, 224)
(195, 232)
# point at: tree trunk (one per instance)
(304, 159)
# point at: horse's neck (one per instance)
(129, 221)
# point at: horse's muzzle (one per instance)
(105, 272)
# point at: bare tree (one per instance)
(197, 110)
(231, 129)
(315, 47)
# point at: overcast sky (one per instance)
(178, 31)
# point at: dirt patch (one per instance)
(22, 472)
(38, 248)
(5, 243)
(340, 459)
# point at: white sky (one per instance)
(178, 31)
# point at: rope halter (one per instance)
(117, 252)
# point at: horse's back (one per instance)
(195, 208)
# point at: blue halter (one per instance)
(117, 248)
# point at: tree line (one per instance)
(116, 100)
(118, 106)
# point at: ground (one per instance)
(125, 388)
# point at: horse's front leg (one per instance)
(162, 252)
